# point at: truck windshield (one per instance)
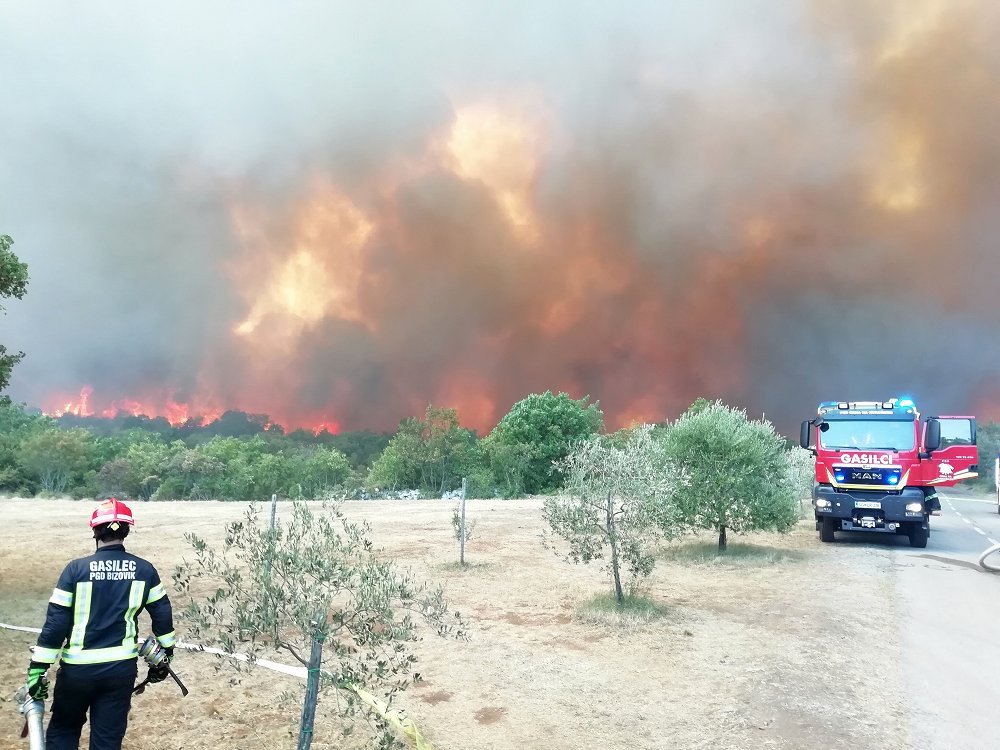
(868, 435)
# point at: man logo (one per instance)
(860, 476)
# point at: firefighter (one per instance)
(931, 500)
(91, 627)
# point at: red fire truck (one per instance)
(878, 465)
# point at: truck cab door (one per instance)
(957, 458)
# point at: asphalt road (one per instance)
(950, 627)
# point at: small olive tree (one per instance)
(615, 503)
(731, 473)
(802, 470)
(315, 579)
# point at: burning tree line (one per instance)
(244, 457)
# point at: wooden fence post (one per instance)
(312, 692)
(461, 554)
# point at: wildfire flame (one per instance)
(175, 412)
(644, 241)
(319, 275)
(502, 151)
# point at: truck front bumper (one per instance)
(870, 510)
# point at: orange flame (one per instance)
(315, 277)
(175, 412)
(501, 151)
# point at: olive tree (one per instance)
(730, 473)
(615, 506)
(314, 587)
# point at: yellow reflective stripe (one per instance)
(135, 593)
(156, 593)
(81, 615)
(99, 655)
(167, 640)
(62, 598)
(45, 655)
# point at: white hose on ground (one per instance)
(272, 665)
(982, 559)
(395, 717)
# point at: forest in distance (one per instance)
(242, 456)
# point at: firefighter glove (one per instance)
(159, 674)
(38, 683)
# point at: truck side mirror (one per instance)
(932, 437)
(804, 434)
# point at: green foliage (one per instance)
(240, 424)
(481, 480)
(13, 283)
(147, 459)
(13, 273)
(38, 456)
(323, 470)
(54, 458)
(503, 467)
(432, 454)
(627, 616)
(395, 468)
(361, 448)
(699, 405)
(988, 441)
(736, 555)
(317, 576)
(16, 426)
(457, 525)
(801, 472)
(617, 487)
(537, 433)
(730, 473)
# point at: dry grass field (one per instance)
(751, 651)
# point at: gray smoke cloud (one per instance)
(770, 204)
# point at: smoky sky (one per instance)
(774, 204)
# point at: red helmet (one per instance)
(111, 510)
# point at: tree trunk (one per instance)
(312, 695)
(722, 539)
(613, 538)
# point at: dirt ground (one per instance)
(759, 650)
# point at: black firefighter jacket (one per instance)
(91, 618)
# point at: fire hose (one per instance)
(986, 553)
(395, 717)
(33, 711)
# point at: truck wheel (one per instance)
(826, 530)
(918, 536)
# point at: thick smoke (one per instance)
(339, 213)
